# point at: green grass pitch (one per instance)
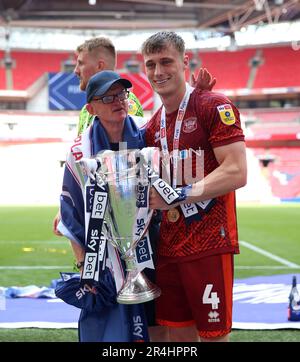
(26, 239)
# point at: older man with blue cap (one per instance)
(107, 96)
(101, 82)
(102, 319)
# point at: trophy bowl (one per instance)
(125, 173)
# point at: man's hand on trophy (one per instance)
(89, 167)
(157, 202)
(165, 197)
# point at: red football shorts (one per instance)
(197, 292)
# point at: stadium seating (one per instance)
(124, 57)
(283, 172)
(267, 131)
(271, 125)
(272, 115)
(230, 68)
(279, 67)
(258, 188)
(28, 66)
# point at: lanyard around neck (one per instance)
(163, 134)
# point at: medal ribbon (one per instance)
(177, 131)
(190, 210)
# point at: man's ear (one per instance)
(186, 61)
(90, 109)
(100, 65)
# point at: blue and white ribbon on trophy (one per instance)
(96, 202)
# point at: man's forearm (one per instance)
(221, 181)
(78, 251)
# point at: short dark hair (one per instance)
(159, 41)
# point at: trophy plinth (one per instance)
(137, 289)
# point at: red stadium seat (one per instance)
(283, 173)
(29, 66)
(280, 68)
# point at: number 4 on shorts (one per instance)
(210, 298)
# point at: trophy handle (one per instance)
(131, 249)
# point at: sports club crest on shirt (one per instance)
(189, 125)
(226, 114)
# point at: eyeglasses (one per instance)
(110, 99)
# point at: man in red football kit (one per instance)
(198, 234)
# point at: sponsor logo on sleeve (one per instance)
(226, 114)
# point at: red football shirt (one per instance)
(211, 120)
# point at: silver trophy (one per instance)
(125, 173)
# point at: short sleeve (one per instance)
(221, 120)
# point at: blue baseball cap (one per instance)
(100, 83)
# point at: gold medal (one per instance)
(173, 215)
